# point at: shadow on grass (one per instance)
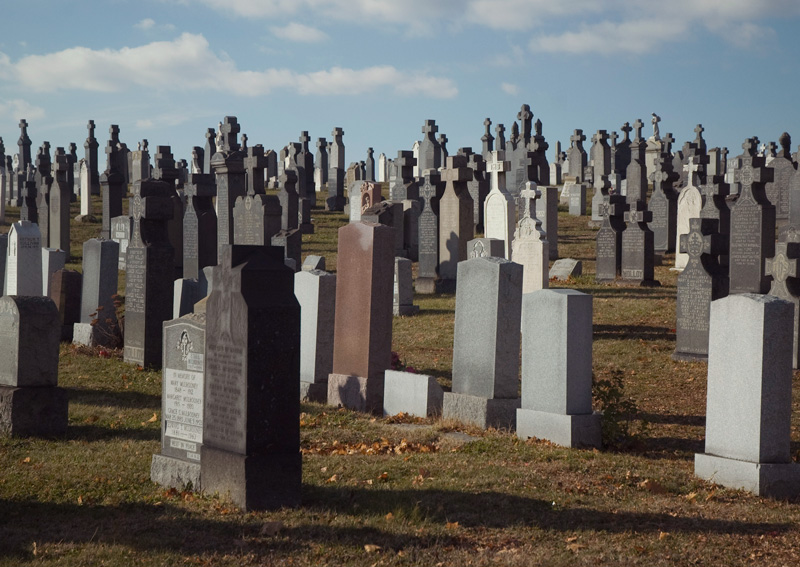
(87, 432)
(114, 398)
(673, 419)
(623, 332)
(150, 528)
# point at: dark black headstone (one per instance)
(608, 242)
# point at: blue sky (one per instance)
(166, 70)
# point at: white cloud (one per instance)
(510, 88)
(146, 24)
(188, 63)
(144, 123)
(299, 32)
(17, 109)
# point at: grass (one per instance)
(400, 491)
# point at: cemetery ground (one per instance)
(401, 491)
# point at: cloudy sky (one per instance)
(167, 70)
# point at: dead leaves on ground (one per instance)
(382, 447)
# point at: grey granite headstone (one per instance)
(566, 268)
(557, 369)
(403, 297)
(199, 225)
(315, 290)
(428, 241)
(749, 398)
(482, 247)
(60, 193)
(486, 343)
(31, 403)
(608, 241)
(456, 225)
(24, 262)
(52, 261)
(100, 282)
(183, 385)
(121, 228)
(411, 394)
(251, 422)
(702, 281)
(786, 285)
(65, 291)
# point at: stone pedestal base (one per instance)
(481, 412)
(764, 479)
(356, 393)
(175, 473)
(689, 357)
(314, 391)
(411, 394)
(33, 411)
(255, 482)
(425, 285)
(405, 310)
(564, 430)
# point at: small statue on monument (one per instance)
(656, 119)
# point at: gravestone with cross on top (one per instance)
(637, 263)
(702, 281)
(498, 208)
(530, 248)
(428, 234)
(785, 272)
(663, 203)
(690, 203)
(608, 242)
(576, 156)
(228, 166)
(752, 224)
(456, 225)
(777, 190)
(636, 174)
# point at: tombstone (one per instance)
(702, 281)
(370, 165)
(749, 398)
(287, 195)
(383, 168)
(363, 327)
(777, 190)
(3, 262)
(690, 203)
(557, 369)
(403, 296)
(112, 183)
(44, 182)
(548, 214)
(255, 162)
(313, 262)
(98, 324)
(499, 214)
(24, 262)
(637, 264)
(478, 187)
(752, 225)
(256, 219)
(336, 173)
(251, 424)
(29, 194)
(530, 247)
(601, 157)
(199, 225)
(31, 403)
(85, 196)
(121, 228)
(486, 344)
(456, 224)
(90, 146)
(430, 156)
(316, 293)
(363, 195)
(321, 165)
(566, 268)
(391, 214)
(577, 198)
(576, 156)
(484, 247)
(636, 175)
(65, 291)
(52, 261)
(150, 274)
(24, 143)
(663, 204)
(428, 235)
(186, 293)
(411, 394)
(608, 241)
(786, 285)
(228, 166)
(182, 401)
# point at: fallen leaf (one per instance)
(26, 460)
(663, 535)
(575, 547)
(151, 420)
(451, 525)
(334, 478)
(711, 495)
(652, 486)
(383, 477)
(571, 539)
(389, 517)
(691, 497)
(270, 529)
(80, 500)
(370, 548)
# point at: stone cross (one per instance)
(783, 265)
(229, 129)
(525, 116)
(697, 166)
(501, 137)
(656, 120)
(487, 138)
(244, 142)
(529, 195)
(695, 243)
(785, 141)
(254, 164)
(638, 125)
(748, 174)
(498, 167)
(626, 131)
(699, 131)
(578, 137)
(429, 128)
(668, 140)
